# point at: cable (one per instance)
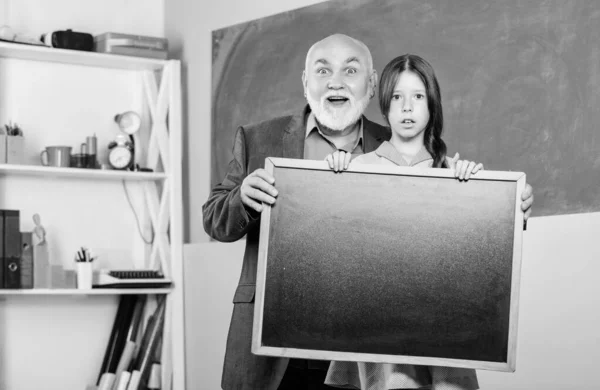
(136, 216)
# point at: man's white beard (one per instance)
(338, 119)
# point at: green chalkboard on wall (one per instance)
(520, 80)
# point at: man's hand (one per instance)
(258, 188)
(339, 160)
(527, 198)
(463, 169)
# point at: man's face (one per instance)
(338, 82)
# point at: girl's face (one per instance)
(409, 113)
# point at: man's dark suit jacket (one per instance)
(226, 219)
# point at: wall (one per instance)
(558, 341)
(37, 17)
(62, 339)
(558, 345)
(216, 269)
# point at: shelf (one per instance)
(74, 291)
(99, 174)
(156, 202)
(77, 57)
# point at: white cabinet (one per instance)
(130, 219)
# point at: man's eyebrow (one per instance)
(323, 61)
(353, 59)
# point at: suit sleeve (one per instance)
(224, 216)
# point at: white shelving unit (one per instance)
(100, 291)
(73, 57)
(76, 173)
(160, 192)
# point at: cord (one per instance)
(136, 216)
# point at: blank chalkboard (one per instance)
(520, 81)
(389, 264)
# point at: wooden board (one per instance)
(390, 264)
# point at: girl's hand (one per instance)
(463, 169)
(338, 160)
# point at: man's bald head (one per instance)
(339, 40)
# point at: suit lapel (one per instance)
(371, 137)
(293, 136)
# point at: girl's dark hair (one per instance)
(433, 132)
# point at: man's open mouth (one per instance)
(337, 100)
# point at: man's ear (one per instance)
(304, 81)
(373, 83)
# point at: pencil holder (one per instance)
(11, 149)
(84, 275)
(14, 149)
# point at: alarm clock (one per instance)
(129, 123)
(120, 153)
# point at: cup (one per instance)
(89, 148)
(56, 156)
(91, 161)
(79, 160)
(84, 275)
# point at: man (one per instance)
(339, 82)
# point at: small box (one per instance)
(15, 145)
(3, 148)
(131, 45)
(42, 277)
(58, 279)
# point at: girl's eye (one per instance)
(396, 97)
(419, 96)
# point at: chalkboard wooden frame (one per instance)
(280, 168)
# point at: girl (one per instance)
(410, 101)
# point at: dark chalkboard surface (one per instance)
(390, 264)
(520, 80)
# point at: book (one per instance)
(1, 248)
(27, 260)
(12, 249)
(118, 336)
(131, 279)
(150, 342)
